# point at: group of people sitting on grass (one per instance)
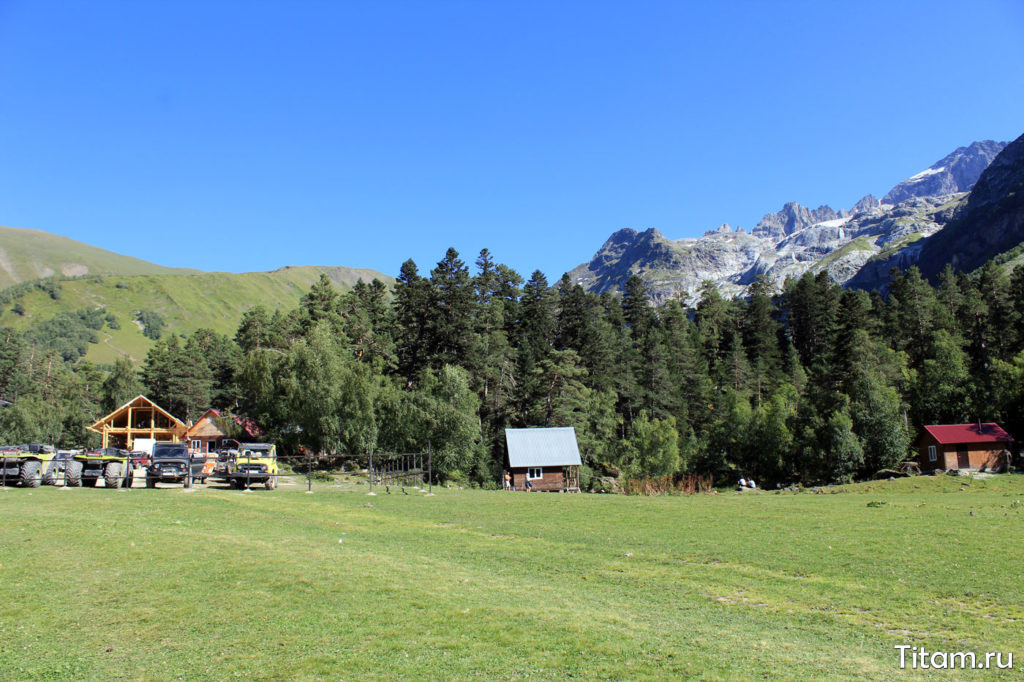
(746, 483)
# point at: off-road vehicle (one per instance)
(250, 463)
(27, 465)
(113, 465)
(173, 463)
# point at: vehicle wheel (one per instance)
(112, 475)
(187, 482)
(271, 482)
(150, 482)
(73, 474)
(50, 475)
(30, 476)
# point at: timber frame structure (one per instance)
(140, 417)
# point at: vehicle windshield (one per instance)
(177, 451)
(256, 451)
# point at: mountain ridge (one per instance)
(796, 239)
(88, 277)
(27, 254)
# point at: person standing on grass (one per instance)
(508, 481)
(529, 486)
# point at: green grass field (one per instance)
(158, 584)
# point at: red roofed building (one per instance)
(212, 427)
(974, 447)
(205, 434)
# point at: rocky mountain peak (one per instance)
(721, 229)
(867, 203)
(856, 247)
(956, 172)
(792, 218)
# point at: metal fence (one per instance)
(383, 470)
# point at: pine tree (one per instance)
(761, 335)
(121, 385)
(178, 378)
(253, 329)
(450, 321)
(413, 299)
(320, 305)
(914, 306)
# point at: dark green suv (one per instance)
(172, 463)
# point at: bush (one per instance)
(152, 324)
(586, 477)
(457, 478)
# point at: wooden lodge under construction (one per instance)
(139, 418)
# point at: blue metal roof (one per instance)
(542, 447)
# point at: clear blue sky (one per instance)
(251, 135)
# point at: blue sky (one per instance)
(366, 133)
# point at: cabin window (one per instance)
(535, 472)
(931, 453)
(197, 445)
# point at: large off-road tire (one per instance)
(271, 482)
(73, 474)
(50, 474)
(112, 475)
(150, 482)
(30, 476)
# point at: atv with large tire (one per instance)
(111, 465)
(29, 466)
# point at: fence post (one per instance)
(430, 468)
(309, 471)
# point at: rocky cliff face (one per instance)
(952, 175)
(857, 246)
(991, 222)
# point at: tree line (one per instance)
(811, 383)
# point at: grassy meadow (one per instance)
(214, 300)
(157, 584)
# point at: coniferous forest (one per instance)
(809, 384)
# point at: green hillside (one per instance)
(32, 254)
(187, 302)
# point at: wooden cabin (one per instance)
(140, 417)
(548, 458)
(205, 434)
(966, 447)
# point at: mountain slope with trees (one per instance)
(137, 310)
(808, 383)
